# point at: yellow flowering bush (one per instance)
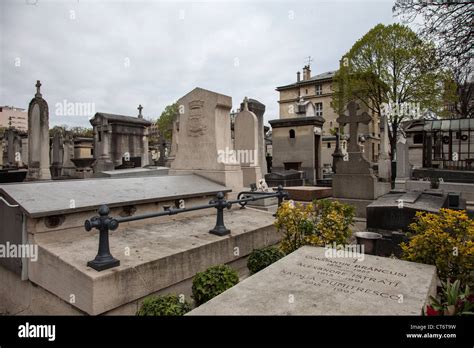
(319, 223)
(445, 240)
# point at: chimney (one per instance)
(298, 76)
(306, 73)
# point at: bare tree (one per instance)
(448, 24)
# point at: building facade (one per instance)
(318, 91)
(14, 117)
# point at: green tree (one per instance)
(391, 65)
(82, 132)
(165, 121)
(74, 131)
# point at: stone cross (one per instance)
(353, 120)
(246, 104)
(38, 86)
(140, 108)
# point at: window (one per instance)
(292, 134)
(319, 109)
(306, 91)
(418, 138)
(100, 135)
(329, 145)
(319, 89)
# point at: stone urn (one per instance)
(368, 240)
(83, 167)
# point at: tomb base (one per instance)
(229, 178)
(251, 175)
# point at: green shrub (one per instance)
(445, 240)
(163, 306)
(212, 282)
(261, 258)
(320, 223)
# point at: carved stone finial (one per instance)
(38, 87)
(140, 108)
(246, 104)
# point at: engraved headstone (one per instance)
(316, 281)
(200, 134)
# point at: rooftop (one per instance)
(321, 77)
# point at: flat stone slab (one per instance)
(424, 201)
(410, 197)
(306, 282)
(133, 172)
(46, 198)
(308, 193)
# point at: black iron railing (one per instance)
(104, 223)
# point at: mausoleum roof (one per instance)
(120, 119)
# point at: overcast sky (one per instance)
(118, 54)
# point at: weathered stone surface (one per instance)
(246, 143)
(133, 172)
(308, 193)
(38, 138)
(49, 198)
(201, 132)
(395, 211)
(307, 282)
(159, 256)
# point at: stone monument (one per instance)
(57, 156)
(317, 281)
(68, 168)
(200, 134)
(119, 138)
(403, 162)
(384, 161)
(355, 182)
(38, 138)
(259, 109)
(246, 134)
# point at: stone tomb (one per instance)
(200, 133)
(157, 255)
(306, 282)
(119, 138)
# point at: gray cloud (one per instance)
(237, 48)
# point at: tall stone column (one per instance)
(38, 138)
